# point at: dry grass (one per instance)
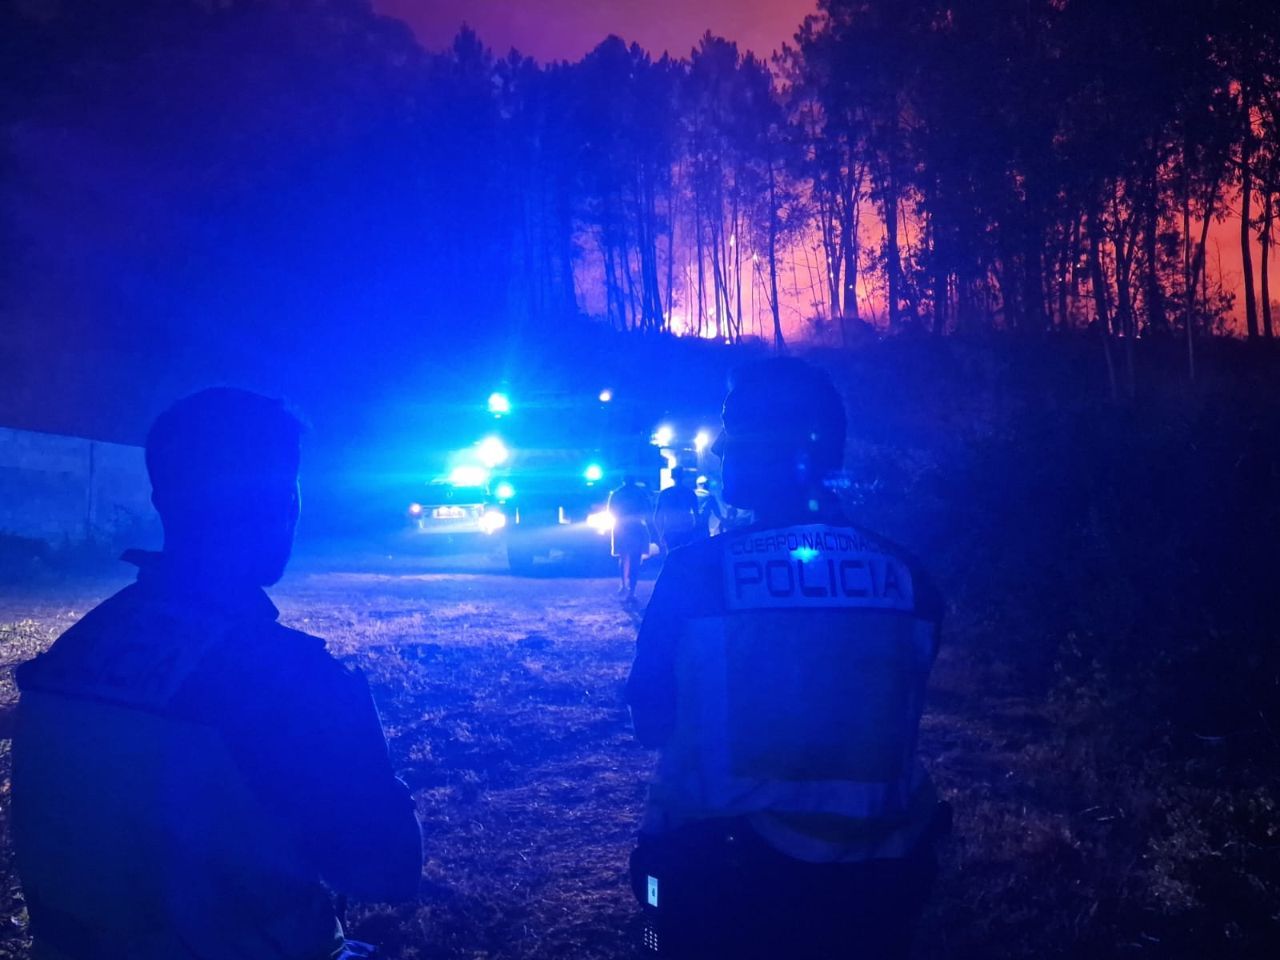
(501, 700)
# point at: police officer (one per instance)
(781, 672)
(190, 777)
(676, 513)
(629, 505)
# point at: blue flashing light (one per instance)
(492, 451)
(804, 554)
(499, 403)
(593, 473)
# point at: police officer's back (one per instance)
(189, 775)
(781, 670)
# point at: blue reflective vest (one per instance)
(782, 673)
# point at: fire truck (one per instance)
(538, 478)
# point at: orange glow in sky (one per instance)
(550, 30)
(567, 29)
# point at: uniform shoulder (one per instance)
(118, 610)
(296, 653)
(697, 553)
(298, 642)
(271, 677)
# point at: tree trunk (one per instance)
(737, 260)
(671, 252)
(1157, 318)
(1098, 280)
(1246, 253)
(1073, 266)
(1124, 299)
(778, 343)
(1060, 283)
(612, 297)
(1124, 317)
(1188, 284)
(941, 287)
(849, 246)
(1199, 259)
(1097, 275)
(634, 321)
(1264, 265)
(889, 206)
(719, 256)
(702, 280)
(828, 211)
(1033, 282)
(564, 217)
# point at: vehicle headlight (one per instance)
(601, 521)
(504, 491)
(468, 475)
(593, 472)
(491, 521)
(702, 440)
(499, 403)
(415, 509)
(664, 435)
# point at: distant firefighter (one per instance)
(191, 779)
(781, 671)
(629, 505)
(676, 515)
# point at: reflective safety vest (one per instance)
(136, 835)
(782, 673)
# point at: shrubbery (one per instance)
(1115, 563)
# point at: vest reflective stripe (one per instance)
(868, 839)
(157, 846)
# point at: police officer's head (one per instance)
(783, 437)
(224, 478)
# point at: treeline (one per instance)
(1029, 165)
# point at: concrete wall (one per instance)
(65, 490)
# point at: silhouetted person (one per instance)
(676, 515)
(190, 777)
(708, 507)
(629, 504)
(781, 671)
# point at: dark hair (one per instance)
(791, 401)
(219, 443)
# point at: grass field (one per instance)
(501, 698)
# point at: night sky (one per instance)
(566, 29)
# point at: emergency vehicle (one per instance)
(538, 477)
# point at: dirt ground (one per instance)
(501, 697)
